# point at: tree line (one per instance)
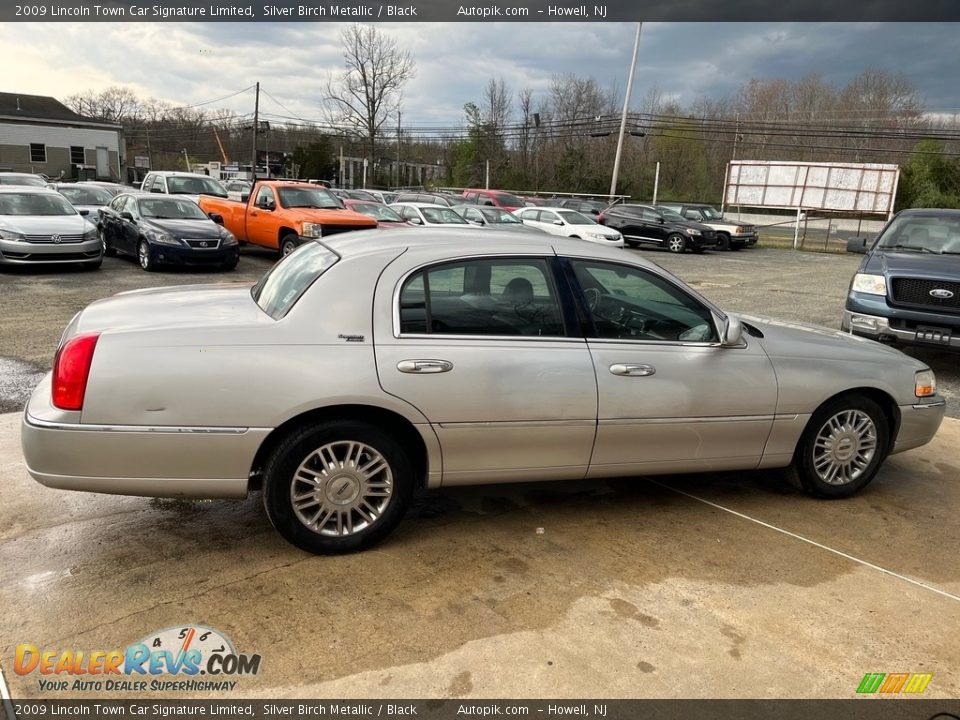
(562, 140)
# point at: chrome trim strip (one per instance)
(685, 420)
(36, 422)
(587, 422)
(927, 406)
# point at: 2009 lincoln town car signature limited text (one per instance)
(366, 364)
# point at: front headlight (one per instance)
(312, 230)
(693, 231)
(869, 284)
(598, 236)
(227, 237)
(10, 235)
(164, 238)
(925, 384)
(91, 234)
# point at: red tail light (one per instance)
(71, 370)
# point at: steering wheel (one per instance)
(593, 298)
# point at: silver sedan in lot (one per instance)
(369, 363)
(39, 225)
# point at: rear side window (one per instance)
(287, 281)
(502, 296)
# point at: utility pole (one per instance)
(736, 136)
(256, 129)
(398, 149)
(186, 160)
(623, 117)
(656, 183)
(149, 150)
(342, 169)
(486, 183)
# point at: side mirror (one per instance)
(857, 245)
(84, 213)
(127, 216)
(661, 220)
(558, 222)
(216, 217)
(416, 221)
(732, 332)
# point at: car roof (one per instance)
(418, 204)
(928, 212)
(20, 189)
(171, 173)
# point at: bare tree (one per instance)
(368, 90)
(497, 99)
(115, 104)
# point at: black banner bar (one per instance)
(854, 709)
(495, 11)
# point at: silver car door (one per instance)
(671, 398)
(478, 346)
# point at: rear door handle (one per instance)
(424, 366)
(632, 370)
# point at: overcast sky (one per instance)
(195, 62)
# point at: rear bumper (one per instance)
(918, 424)
(61, 452)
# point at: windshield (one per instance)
(923, 233)
(85, 195)
(164, 208)
(34, 204)
(377, 211)
(177, 185)
(288, 280)
(307, 197)
(31, 180)
(575, 218)
(495, 215)
(442, 215)
(508, 200)
(671, 215)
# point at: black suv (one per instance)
(646, 224)
(907, 289)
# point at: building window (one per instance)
(77, 155)
(38, 152)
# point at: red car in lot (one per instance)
(493, 198)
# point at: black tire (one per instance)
(230, 264)
(144, 258)
(723, 241)
(676, 243)
(93, 265)
(299, 449)
(288, 243)
(803, 471)
(108, 251)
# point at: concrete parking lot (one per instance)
(727, 585)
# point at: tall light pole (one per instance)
(623, 117)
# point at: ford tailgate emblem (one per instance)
(941, 294)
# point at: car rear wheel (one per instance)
(337, 487)
(842, 448)
(676, 243)
(288, 243)
(143, 256)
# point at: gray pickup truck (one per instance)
(730, 235)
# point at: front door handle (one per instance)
(424, 366)
(632, 370)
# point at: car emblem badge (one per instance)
(941, 294)
(204, 244)
(56, 238)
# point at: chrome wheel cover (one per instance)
(143, 254)
(287, 248)
(675, 244)
(844, 447)
(341, 488)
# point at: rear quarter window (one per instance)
(286, 282)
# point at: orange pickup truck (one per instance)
(281, 214)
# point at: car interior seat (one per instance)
(518, 291)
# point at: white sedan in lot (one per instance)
(429, 214)
(569, 223)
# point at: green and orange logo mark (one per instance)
(894, 683)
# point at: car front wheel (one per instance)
(337, 487)
(143, 256)
(288, 243)
(676, 243)
(842, 448)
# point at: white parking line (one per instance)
(912, 581)
(5, 696)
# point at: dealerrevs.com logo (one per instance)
(187, 658)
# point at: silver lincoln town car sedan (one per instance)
(366, 364)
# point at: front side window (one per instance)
(502, 296)
(630, 303)
(264, 198)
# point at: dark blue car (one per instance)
(166, 230)
(907, 289)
